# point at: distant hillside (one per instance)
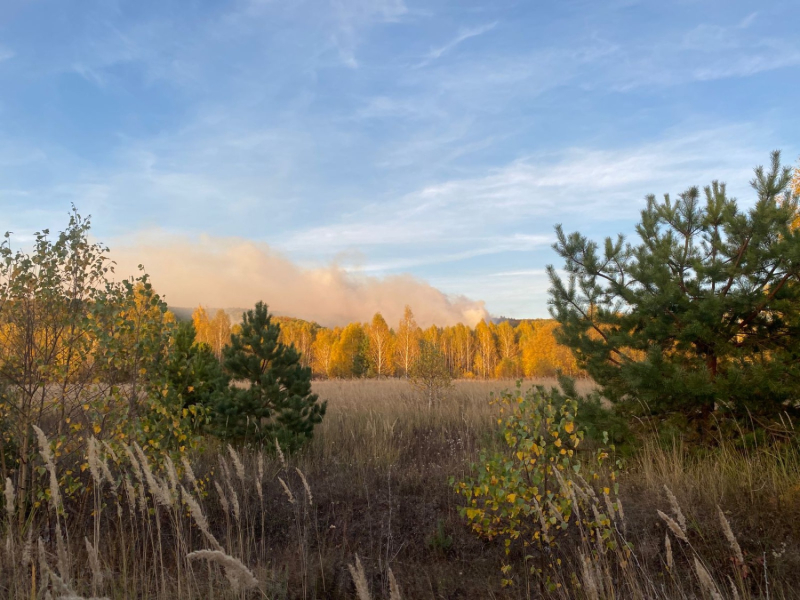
(513, 322)
(183, 313)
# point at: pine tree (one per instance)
(193, 373)
(276, 400)
(702, 314)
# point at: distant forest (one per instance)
(493, 350)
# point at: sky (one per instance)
(422, 149)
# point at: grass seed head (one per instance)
(63, 587)
(705, 580)
(237, 463)
(94, 563)
(94, 461)
(674, 527)
(223, 499)
(609, 506)
(111, 452)
(306, 487)
(226, 471)
(159, 493)
(137, 469)
(260, 479)
(200, 518)
(360, 580)
(26, 548)
(107, 473)
(732, 542)
(668, 549)
(394, 589)
(47, 457)
(676, 508)
(734, 590)
(589, 579)
(61, 551)
(9, 497)
(281, 457)
(288, 492)
(235, 503)
(188, 472)
(620, 511)
(239, 576)
(172, 474)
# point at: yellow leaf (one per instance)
(511, 498)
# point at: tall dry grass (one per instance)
(228, 523)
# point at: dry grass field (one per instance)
(374, 483)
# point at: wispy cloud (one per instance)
(448, 145)
(545, 186)
(481, 247)
(352, 16)
(462, 36)
(706, 52)
(745, 66)
(521, 273)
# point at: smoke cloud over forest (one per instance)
(227, 272)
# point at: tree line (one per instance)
(489, 350)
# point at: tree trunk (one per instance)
(711, 364)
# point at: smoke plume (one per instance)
(235, 273)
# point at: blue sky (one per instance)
(440, 139)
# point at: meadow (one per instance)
(367, 510)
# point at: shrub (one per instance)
(539, 489)
(429, 373)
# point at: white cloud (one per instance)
(236, 273)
